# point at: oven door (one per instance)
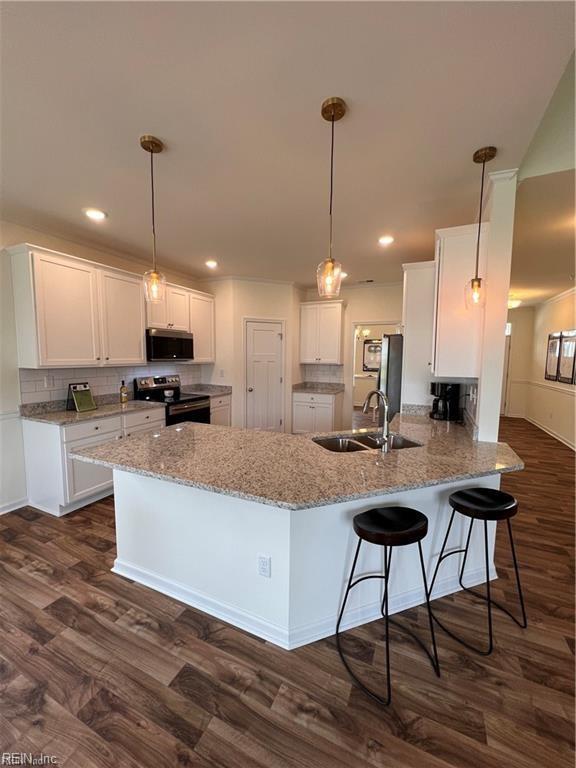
(164, 345)
(198, 411)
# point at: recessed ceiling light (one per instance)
(95, 214)
(343, 275)
(386, 240)
(211, 264)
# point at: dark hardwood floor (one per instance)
(102, 672)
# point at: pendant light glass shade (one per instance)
(329, 278)
(475, 295)
(154, 286)
(154, 281)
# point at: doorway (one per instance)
(505, 372)
(366, 365)
(264, 375)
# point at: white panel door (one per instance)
(177, 304)
(67, 311)
(202, 326)
(264, 387)
(123, 321)
(330, 333)
(309, 333)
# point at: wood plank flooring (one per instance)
(104, 673)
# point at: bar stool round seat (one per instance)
(388, 527)
(391, 526)
(484, 504)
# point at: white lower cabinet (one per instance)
(57, 483)
(221, 410)
(316, 413)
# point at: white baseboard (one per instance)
(287, 638)
(551, 432)
(10, 506)
(60, 511)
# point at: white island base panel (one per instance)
(203, 548)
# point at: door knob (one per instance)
(250, 389)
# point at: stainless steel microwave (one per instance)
(164, 345)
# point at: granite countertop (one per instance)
(318, 388)
(293, 472)
(64, 418)
(212, 390)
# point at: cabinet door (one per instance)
(122, 313)
(83, 479)
(323, 418)
(202, 326)
(330, 333)
(178, 309)
(220, 416)
(66, 294)
(302, 418)
(457, 329)
(157, 314)
(309, 333)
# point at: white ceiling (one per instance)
(543, 249)
(234, 90)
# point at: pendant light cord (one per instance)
(331, 181)
(480, 220)
(153, 213)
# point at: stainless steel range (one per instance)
(179, 405)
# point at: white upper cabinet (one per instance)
(156, 314)
(321, 332)
(122, 314)
(202, 326)
(457, 329)
(73, 313)
(177, 308)
(56, 307)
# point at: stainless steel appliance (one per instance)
(179, 405)
(446, 403)
(390, 375)
(164, 345)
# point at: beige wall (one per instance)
(12, 476)
(520, 360)
(552, 147)
(550, 404)
(237, 300)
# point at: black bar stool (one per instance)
(388, 527)
(486, 504)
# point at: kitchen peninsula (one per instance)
(255, 527)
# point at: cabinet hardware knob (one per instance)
(250, 389)
(107, 358)
(97, 358)
(96, 427)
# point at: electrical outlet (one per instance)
(221, 373)
(264, 563)
(48, 382)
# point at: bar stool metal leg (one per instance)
(487, 597)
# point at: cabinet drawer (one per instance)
(311, 399)
(144, 429)
(218, 402)
(92, 428)
(144, 417)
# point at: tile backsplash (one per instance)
(330, 373)
(49, 384)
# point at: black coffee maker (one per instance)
(446, 405)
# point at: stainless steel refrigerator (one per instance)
(390, 375)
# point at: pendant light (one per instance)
(476, 288)
(154, 281)
(329, 272)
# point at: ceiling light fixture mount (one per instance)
(476, 287)
(329, 271)
(154, 281)
(95, 214)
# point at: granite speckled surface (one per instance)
(293, 472)
(212, 390)
(64, 418)
(318, 388)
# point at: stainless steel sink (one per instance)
(339, 444)
(371, 441)
(395, 442)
